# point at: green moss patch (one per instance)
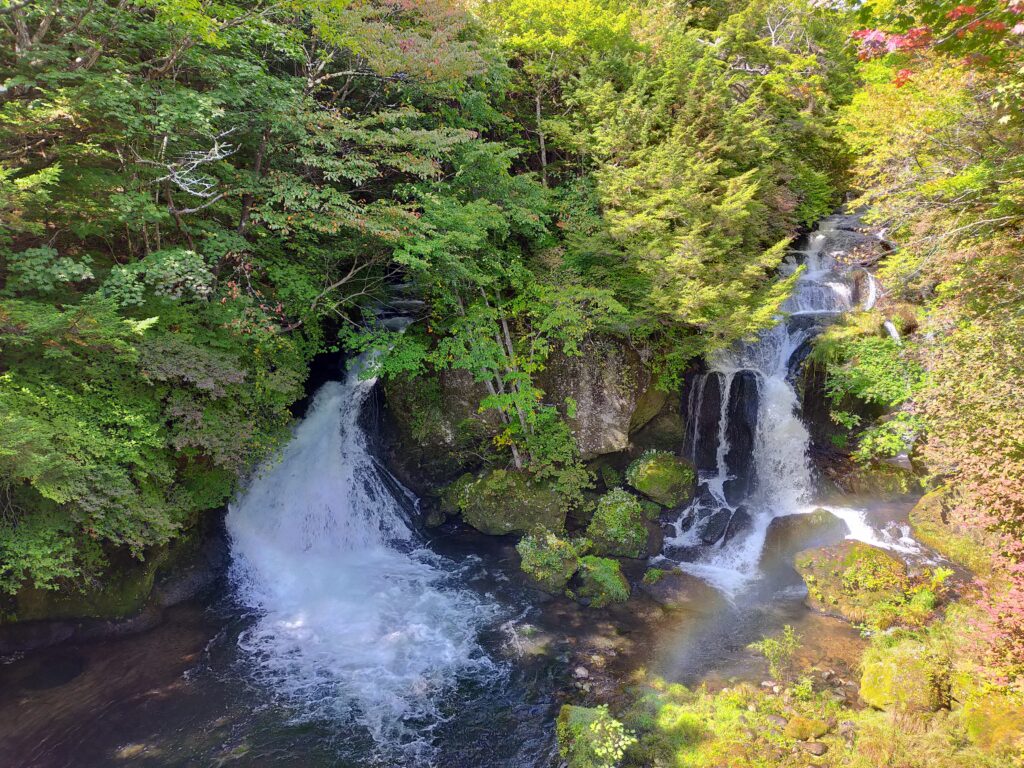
(601, 582)
(617, 528)
(503, 501)
(662, 477)
(547, 559)
(905, 676)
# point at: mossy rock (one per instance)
(651, 510)
(995, 722)
(790, 534)
(903, 677)
(453, 497)
(933, 527)
(663, 477)
(851, 579)
(548, 560)
(804, 728)
(119, 591)
(601, 582)
(589, 737)
(617, 528)
(880, 479)
(503, 501)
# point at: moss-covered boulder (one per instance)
(851, 579)
(936, 527)
(805, 728)
(663, 477)
(995, 722)
(617, 528)
(589, 737)
(119, 591)
(548, 560)
(503, 501)
(903, 676)
(437, 426)
(794, 533)
(601, 582)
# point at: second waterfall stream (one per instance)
(355, 620)
(744, 433)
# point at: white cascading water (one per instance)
(783, 476)
(355, 621)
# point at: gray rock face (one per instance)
(742, 414)
(704, 408)
(607, 381)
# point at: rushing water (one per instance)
(356, 620)
(745, 435)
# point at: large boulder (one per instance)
(850, 579)
(704, 410)
(503, 501)
(741, 431)
(611, 389)
(794, 533)
(663, 477)
(548, 560)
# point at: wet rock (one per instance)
(502, 501)
(741, 415)
(815, 748)
(793, 533)
(704, 408)
(677, 590)
(715, 526)
(655, 538)
(738, 523)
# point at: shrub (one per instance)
(617, 528)
(548, 560)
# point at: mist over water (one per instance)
(356, 621)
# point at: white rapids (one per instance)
(783, 484)
(355, 621)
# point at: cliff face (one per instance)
(606, 394)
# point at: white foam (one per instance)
(356, 621)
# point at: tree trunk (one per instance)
(543, 144)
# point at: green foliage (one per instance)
(547, 559)
(591, 737)
(779, 651)
(617, 527)
(602, 582)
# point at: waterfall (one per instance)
(355, 621)
(744, 435)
